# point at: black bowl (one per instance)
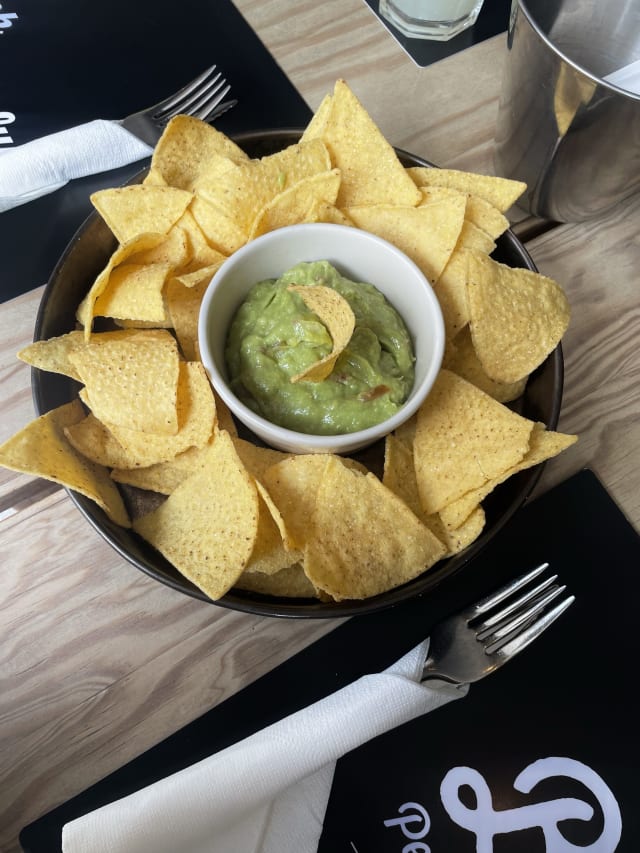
(84, 258)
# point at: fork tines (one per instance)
(523, 618)
(197, 98)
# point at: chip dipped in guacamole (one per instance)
(275, 337)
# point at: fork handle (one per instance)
(430, 672)
(43, 165)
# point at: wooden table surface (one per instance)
(98, 661)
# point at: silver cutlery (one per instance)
(202, 98)
(479, 639)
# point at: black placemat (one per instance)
(493, 19)
(72, 61)
(566, 696)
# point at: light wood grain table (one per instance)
(100, 662)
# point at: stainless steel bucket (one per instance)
(569, 133)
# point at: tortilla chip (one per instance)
(134, 292)
(502, 193)
(337, 316)
(183, 306)
(132, 382)
(220, 229)
(428, 235)
(53, 354)
(244, 189)
(463, 439)
(119, 447)
(140, 209)
(172, 250)
(200, 253)
(370, 168)
(186, 150)
(258, 459)
(544, 444)
(291, 206)
(451, 292)
(343, 558)
(456, 539)
(472, 237)
(293, 483)
(41, 449)
(163, 477)
(207, 528)
(463, 360)
(85, 312)
(517, 317)
(478, 211)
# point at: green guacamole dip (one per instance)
(275, 336)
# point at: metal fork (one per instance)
(479, 639)
(202, 98)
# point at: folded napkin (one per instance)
(267, 793)
(46, 164)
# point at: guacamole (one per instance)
(274, 336)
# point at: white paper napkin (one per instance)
(46, 164)
(267, 793)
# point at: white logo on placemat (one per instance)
(485, 822)
(6, 20)
(5, 118)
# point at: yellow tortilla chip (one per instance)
(207, 527)
(370, 168)
(119, 447)
(85, 314)
(163, 477)
(502, 193)
(53, 354)
(186, 149)
(451, 292)
(428, 235)
(343, 558)
(270, 554)
(472, 237)
(400, 477)
(258, 459)
(293, 483)
(132, 382)
(220, 229)
(337, 316)
(463, 438)
(42, 450)
(322, 211)
(399, 474)
(517, 317)
(140, 209)
(315, 127)
(458, 538)
(543, 445)
(183, 305)
(291, 206)
(224, 418)
(463, 360)
(134, 292)
(200, 254)
(486, 216)
(478, 211)
(172, 250)
(244, 189)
